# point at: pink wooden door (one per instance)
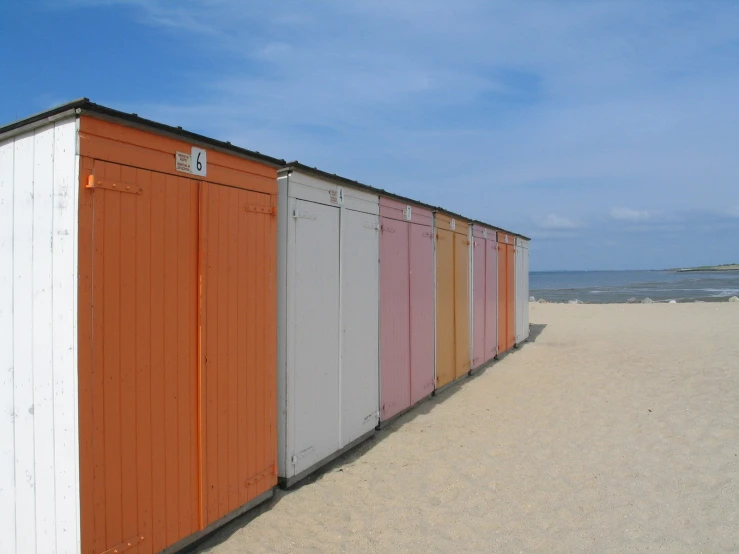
(491, 298)
(478, 302)
(395, 357)
(422, 311)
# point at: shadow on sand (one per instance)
(222, 534)
(535, 329)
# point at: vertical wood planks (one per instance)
(109, 444)
(143, 340)
(238, 319)
(86, 431)
(395, 333)
(522, 290)
(143, 385)
(422, 310)
(25, 478)
(479, 299)
(511, 295)
(445, 308)
(461, 305)
(406, 306)
(42, 408)
(156, 377)
(502, 297)
(64, 343)
(491, 297)
(129, 349)
(38, 427)
(313, 367)
(359, 324)
(7, 339)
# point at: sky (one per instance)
(608, 131)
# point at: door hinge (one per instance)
(271, 210)
(96, 183)
(125, 545)
(303, 215)
(303, 454)
(259, 476)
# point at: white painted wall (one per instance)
(522, 290)
(328, 310)
(39, 452)
(360, 339)
(527, 289)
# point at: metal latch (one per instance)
(96, 183)
(373, 414)
(271, 210)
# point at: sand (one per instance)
(615, 430)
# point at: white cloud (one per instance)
(554, 222)
(627, 214)
(467, 104)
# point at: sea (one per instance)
(605, 287)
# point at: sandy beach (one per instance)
(616, 429)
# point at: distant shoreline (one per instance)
(724, 267)
(661, 285)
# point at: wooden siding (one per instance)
(39, 506)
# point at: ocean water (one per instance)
(602, 287)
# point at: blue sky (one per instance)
(607, 131)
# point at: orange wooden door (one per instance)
(138, 359)
(445, 311)
(461, 305)
(239, 346)
(502, 298)
(511, 294)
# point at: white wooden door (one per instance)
(519, 275)
(315, 332)
(359, 320)
(526, 293)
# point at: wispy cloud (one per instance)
(467, 104)
(554, 222)
(627, 214)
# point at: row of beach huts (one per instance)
(186, 324)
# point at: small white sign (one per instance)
(341, 196)
(484, 233)
(408, 213)
(453, 224)
(182, 162)
(195, 163)
(199, 162)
